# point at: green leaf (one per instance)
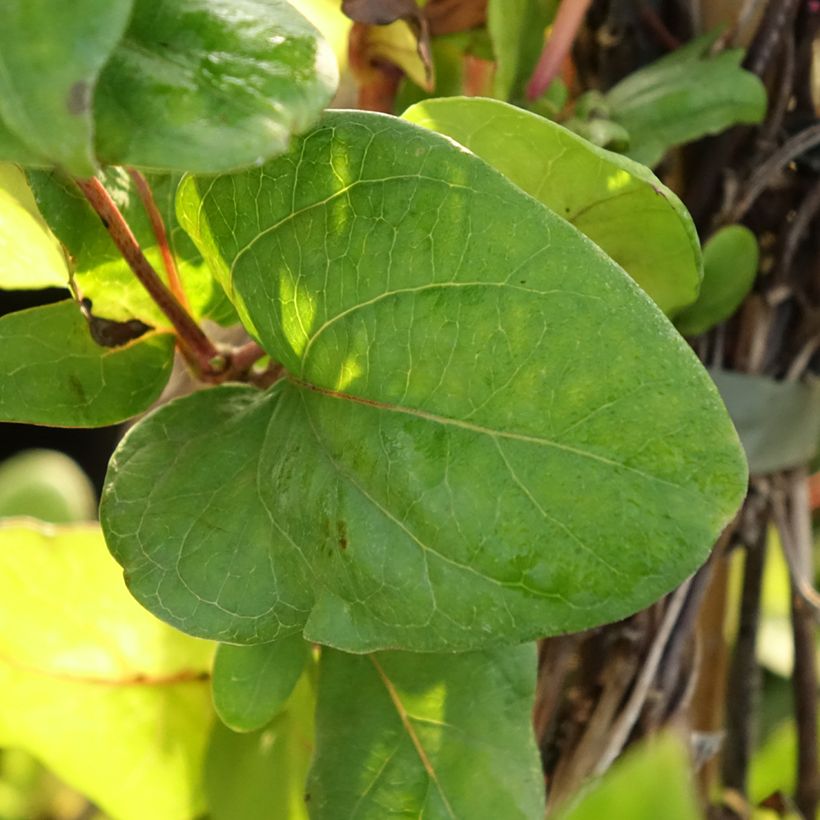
(53, 372)
(261, 775)
(251, 683)
(30, 256)
(686, 95)
(652, 780)
(432, 736)
(487, 432)
(730, 261)
(48, 485)
(211, 85)
(115, 705)
(101, 273)
(51, 55)
(517, 30)
(620, 205)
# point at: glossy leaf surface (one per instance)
(429, 736)
(730, 260)
(620, 205)
(114, 705)
(211, 85)
(250, 684)
(51, 55)
(101, 274)
(482, 411)
(262, 775)
(30, 256)
(53, 372)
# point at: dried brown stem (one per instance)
(194, 342)
(146, 196)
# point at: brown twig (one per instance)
(797, 145)
(146, 196)
(193, 340)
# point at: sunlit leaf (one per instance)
(621, 205)
(53, 372)
(105, 695)
(405, 735)
(30, 256)
(486, 432)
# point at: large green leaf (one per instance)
(487, 431)
(105, 695)
(30, 256)
(53, 372)
(101, 273)
(620, 205)
(210, 85)
(51, 55)
(251, 683)
(427, 736)
(517, 31)
(686, 95)
(262, 775)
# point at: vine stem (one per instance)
(146, 195)
(199, 348)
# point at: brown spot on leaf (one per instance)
(341, 534)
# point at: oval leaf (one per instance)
(251, 683)
(117, 706)
(487, 432)
(406, 735)
(730, 261)
(210, 85)
(50, 58)
(620, 205)
(53, 372)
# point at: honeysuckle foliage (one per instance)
(479, 429)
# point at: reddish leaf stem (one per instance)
(194, 342)
(564, 29)
(146, 195)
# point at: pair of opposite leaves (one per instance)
(487, 432)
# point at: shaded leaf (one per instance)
(251, 683)
(30, 256)
(100, 272)
(405, 735)
(685, 95)
(778, 422)
(517, 30)
(622, 206)
(730, 261)
(221, 83)
(480, 411)
(652, 780)
(51, 55)
(115, 705)
(48, 485)
(261, 775)
(52, 372)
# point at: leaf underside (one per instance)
(487, 432)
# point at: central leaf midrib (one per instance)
(477, 428)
